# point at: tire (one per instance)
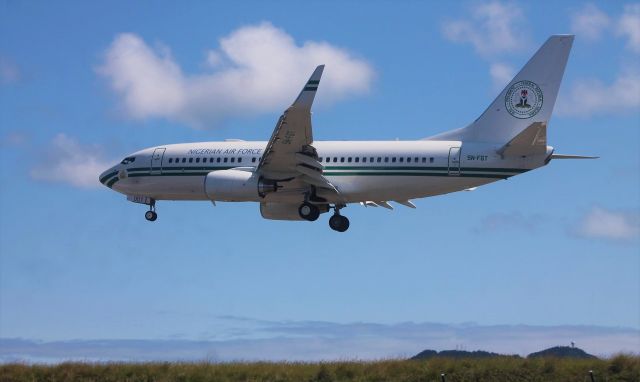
(151, 216)
(339, 223)
(308, 211)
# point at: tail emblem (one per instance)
(523, 99)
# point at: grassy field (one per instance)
(620, 368)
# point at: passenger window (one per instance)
(225, 160)
(364, 160)
(409, 160)
(401, 159)
(416, 158)
(239, 160)
(170, 160)
(218, 159)
(197, 160)
(190, 160)
(319, 159)
(253, 160)
(335, 159)
(431, 160)
(233, 160)
(386, 159)
(393, 159)
(349, 159)
(424, 160)
(342, 160)
(379, 159)
(184, 160)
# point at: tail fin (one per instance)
(529, 97)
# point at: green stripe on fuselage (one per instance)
(499, 173)
(106, 177)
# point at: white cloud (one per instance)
(317, 341)
(612, 225)
(256, 69)
(494, 27)
(592, 96)
(501, 74)
(66, 161)
(629, 26)
(589, 22)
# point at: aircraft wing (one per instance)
(290, 152)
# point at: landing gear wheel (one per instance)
(308, 211)
(339, 223)
(151, 216)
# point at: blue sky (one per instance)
(84, 84)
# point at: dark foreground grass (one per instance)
(620, 368)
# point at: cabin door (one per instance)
(454, 161)
(156, 161)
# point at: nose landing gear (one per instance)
(151, 215)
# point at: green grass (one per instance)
(619, 368)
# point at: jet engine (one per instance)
(237, 186)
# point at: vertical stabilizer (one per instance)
(529, 97)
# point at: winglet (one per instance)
(308, 93)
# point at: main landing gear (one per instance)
(311, 212)
(338, 222)
(151, 215)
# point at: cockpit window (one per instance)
(128, 160)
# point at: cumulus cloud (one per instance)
(589, 22)
(67, 161)
(601, 223)
(493, 27)
(258, 68)
(317, 340)
(591, 96)
(629, 26)
(501, 74)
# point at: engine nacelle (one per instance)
(279, 211)
(237, 186)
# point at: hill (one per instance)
(562, 352)
(427, 354)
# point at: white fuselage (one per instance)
(360, 170)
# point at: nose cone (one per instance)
(109, 177)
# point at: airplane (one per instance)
(295, 177)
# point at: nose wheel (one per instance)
(151, 215)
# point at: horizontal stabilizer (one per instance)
(563, 156)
